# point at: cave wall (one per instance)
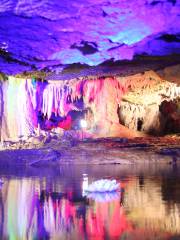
(170, 116)
(115, 106)
(44, 34)
(141, 118)
(140, 107)
(22, 100)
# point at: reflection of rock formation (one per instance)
(146, 208)
(107, 220)
(59, 215)
(30, 212)
(20, 220)
(62, 217)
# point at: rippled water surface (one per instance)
(51, 204)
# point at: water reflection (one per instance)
(30, 209)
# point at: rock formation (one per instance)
(142, 107)
(110, 62)
(116, 106)
(44, 34)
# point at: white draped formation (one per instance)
(17, 110)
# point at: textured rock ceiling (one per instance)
(38, 34)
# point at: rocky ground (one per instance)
(39, 151)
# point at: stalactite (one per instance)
(59, 98)
(18, 113)
(32, 92)
(24, 99)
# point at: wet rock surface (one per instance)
(95, 152)
(31, 157)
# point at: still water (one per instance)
(51, 204)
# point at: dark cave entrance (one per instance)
(139, 124)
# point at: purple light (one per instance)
(48, 34)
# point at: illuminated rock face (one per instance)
(148, 108)
(17, 113)
(110, 106)
(43, 34)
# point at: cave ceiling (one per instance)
(46, 34)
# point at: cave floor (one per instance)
(104, 151)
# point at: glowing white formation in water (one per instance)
(103, 185)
